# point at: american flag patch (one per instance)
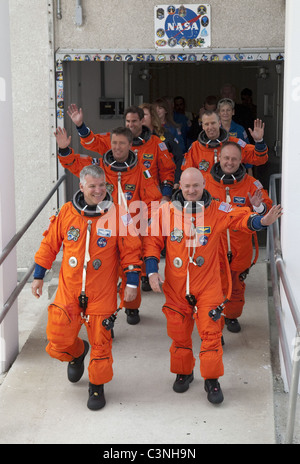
(258, 184)
(162, 146)
(241, 143)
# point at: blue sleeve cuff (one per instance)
(260, 146)
(256, 223)
(151, 265)
(132, 278)
(39, 272)
(166, 191)
(64, 151)
(82, 130)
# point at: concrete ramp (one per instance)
(38, 405)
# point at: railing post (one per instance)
(278, 274)
(293, 390)
(13, 242)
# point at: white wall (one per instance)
(35, 166)
(291, 162)
(120, 24)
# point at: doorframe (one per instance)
(217, 55)
(251, 55)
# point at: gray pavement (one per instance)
(40, 406)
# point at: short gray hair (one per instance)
(225, 101)
(92, 170)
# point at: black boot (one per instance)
(233, 325)
(96, 397)
(214, 392)
(182, 382)
(132, 316)
(76, 367)
(146, 287)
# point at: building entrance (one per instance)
(104, 88)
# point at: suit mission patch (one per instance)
(130, 187)
(241, 200)
(109, 187)
(176, 235)
(204, 165)
(73, 234)
(203, 230)
(148, 156)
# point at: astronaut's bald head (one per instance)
(192, 184)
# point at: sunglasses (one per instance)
(226, 100)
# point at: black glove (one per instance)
(109, 322)
(216, 314)
(243, 275)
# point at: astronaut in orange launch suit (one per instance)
(152, 153)
(192, 284)
(128, 182)
(228, 181)
(204, 152)
(96, 238)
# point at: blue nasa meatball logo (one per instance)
(183, 24)
(102, 242)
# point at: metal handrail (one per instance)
(13, 242)
(278, 274)
(22, 231)
(16, 292)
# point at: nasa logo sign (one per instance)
(180, 26)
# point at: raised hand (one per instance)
(256, 198)
(76, 114)
(258, 130)
(62, 139)
(272, 216)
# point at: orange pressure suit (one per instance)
(204, 153)
(136, 183)
(128, 184)
(151, 151)
(234, 189)
(71, 228)
(192, 267)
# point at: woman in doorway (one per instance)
(165, 114)
(225, 108)
(152, 121)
